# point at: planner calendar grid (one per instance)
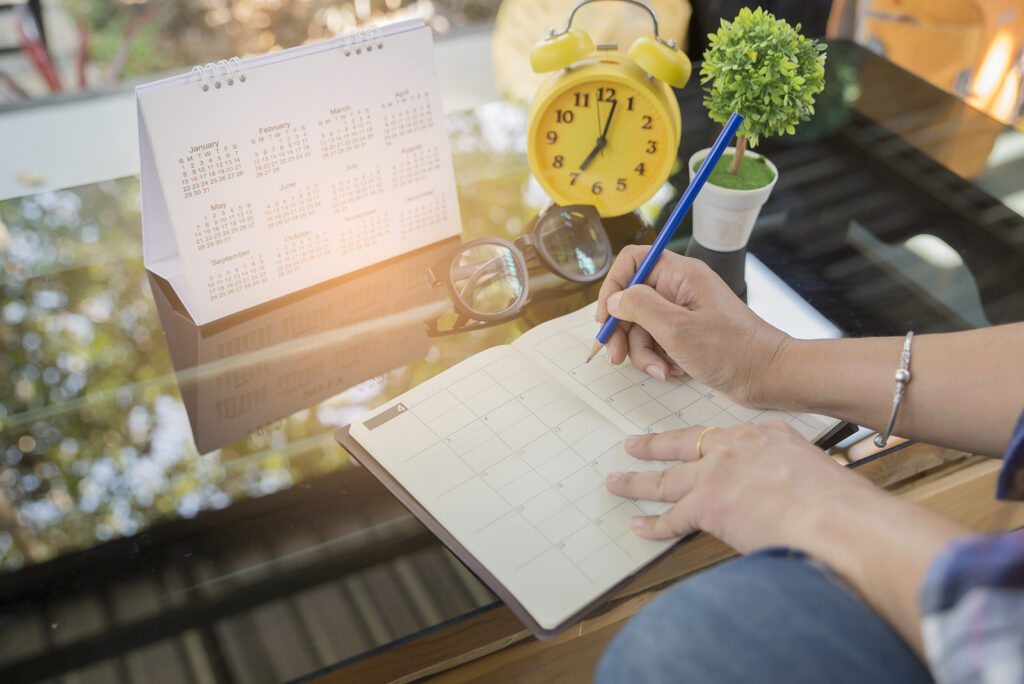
(346, 129)
(363, 231)
(275, 146)
(295, 204)
(417, 163)
(647, 404)
(356, 187)
(300, 249)
(222, 223)
(240, 272)
(530, 462)
(423, 213)
(407, 114)
(206, 165)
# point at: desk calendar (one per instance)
(504, 458)
(264, 176)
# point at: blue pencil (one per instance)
(674, 219)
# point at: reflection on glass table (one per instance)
(129, 546)
(242, 374)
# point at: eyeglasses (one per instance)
(487, 278)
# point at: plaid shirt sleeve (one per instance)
(972, 600)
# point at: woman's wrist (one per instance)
(781, 377)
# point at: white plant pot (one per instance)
(722, 217)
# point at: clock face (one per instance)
(605, 143)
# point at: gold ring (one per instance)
(700, 440)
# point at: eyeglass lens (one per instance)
(487, 278)
(573, 242)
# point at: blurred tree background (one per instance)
(133, 38)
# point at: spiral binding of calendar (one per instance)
(217, 74)
(355, 42)
(227, 71)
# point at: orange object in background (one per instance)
(972, 48)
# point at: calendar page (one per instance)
(324, 160)
(509, 449)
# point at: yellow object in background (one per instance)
(604, 127)
(604, 97)
(971, 48)
(521, 23)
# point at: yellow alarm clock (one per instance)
(604, 129)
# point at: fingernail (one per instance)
(613, 303)
(636, 522)
(632, 441)
(655, 372)
(612, 477)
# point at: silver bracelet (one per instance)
(902, 377)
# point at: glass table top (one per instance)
(172, 498)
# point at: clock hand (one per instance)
(608, 121)
(602, 142)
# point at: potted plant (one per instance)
(764, 69)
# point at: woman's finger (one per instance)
(617, 346)
(643, 353)
(675, 522)
(621, 272)
(670, 484)
(672, 445)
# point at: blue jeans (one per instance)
(774, 616)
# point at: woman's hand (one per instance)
(759, 486)
(756, 486)
(687, 320)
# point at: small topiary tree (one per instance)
(764, 69)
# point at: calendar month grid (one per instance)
(207, 164)
(529, 460)
(421, 212)
(415, 164)
(275, 146)
(363, 231)
(299, 250)
(222, 223)
(407, 114)
(295, 202)
(236, 273)
(356, 187)
(345, 129)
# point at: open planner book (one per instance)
(504, 457)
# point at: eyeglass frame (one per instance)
(523, 249)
